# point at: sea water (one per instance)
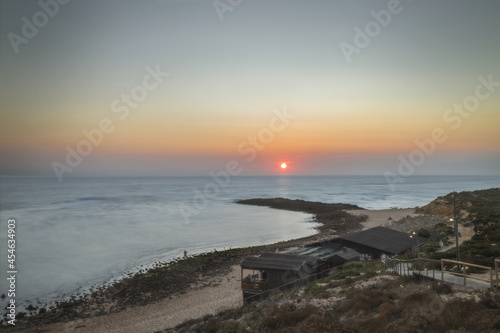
(89, 231)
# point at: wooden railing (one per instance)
(465, 264)
(497, 263)
(431, 269)
(299, 282)
(259, 285)
(411, 267)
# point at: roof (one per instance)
(279, 261)
(347, 254)
(383, 239)
(325, 253)
(319, 252)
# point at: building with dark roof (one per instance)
(333, 255)
(272, 270)
(281, 261)
(374, 242)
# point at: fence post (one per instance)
(442, 270)
(491, 279)
(496, 272)
(465, 282)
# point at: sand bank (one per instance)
(381, 217)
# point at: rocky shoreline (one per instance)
(168, 279)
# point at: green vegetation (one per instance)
(482, 208)
(343, 274)
(353, 265)
(440, 232)
(316, 290)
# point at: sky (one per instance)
(187, 87)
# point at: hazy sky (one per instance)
(362, 92)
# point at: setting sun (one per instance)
(283, 165)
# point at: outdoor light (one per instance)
(454, 220)
(418, 247)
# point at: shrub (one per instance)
(370, 274)
(348, 281)
(287, 315)
(365, 300)
(343, 274)
(430, 247)
(189, 322)
(315, 322)
(231, 314)
(353, 264)
(441, 288)
(464, 314)
(207, 317)
(424, 233)
(408, 255)
(424, 296)
(316, 290)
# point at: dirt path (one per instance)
(465, 234)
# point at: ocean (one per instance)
(85, 232)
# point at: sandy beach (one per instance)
(381, 217)
(208, 297)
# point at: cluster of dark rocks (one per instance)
(412, 223)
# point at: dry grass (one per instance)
(394, 305)
(408, 306)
